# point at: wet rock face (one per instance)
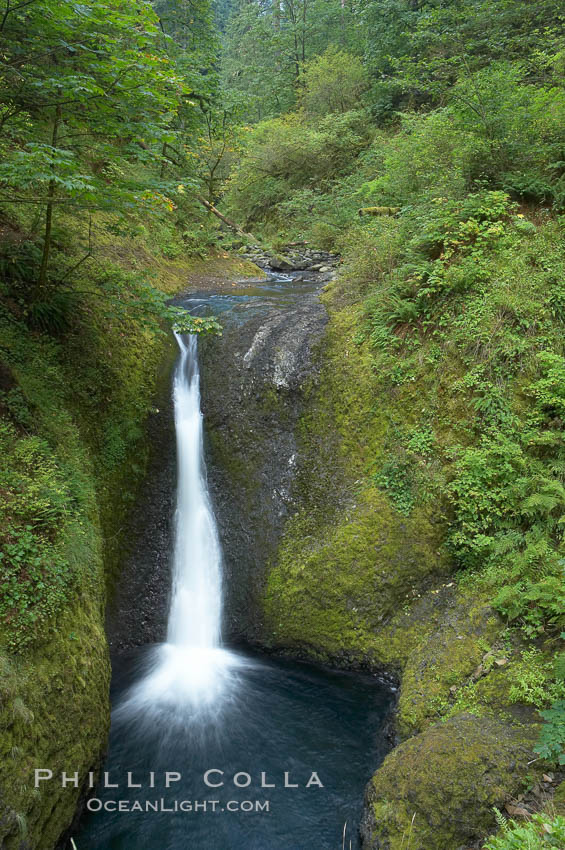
(440, 786)
(253, 380)
(138, 606)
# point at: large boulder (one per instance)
(281, 264)
(437, 790)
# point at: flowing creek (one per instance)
(270, 732)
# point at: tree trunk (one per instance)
(42, 280)
(230, 224)
(304, 5)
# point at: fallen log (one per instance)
(230, 224)
(379, 210)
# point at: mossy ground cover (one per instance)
(437, 790)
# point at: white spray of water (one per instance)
(191, 669)
(196, 605)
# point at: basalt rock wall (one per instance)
(254, 380)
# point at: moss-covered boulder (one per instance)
(335, 586)
(437, 790)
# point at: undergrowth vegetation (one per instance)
(473, 300)
(539, 833)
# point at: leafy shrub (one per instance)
(396, 479)
(196, 242)
(446, 247)
(53, 315)
(286, 155)
(34, 500)
(549, 389)
(19, 263)
(16, 404)
(534, 680)
(35, 581)
(539, 833)
(497, 131)
(551, 744)
(36, 494)
(332, 82)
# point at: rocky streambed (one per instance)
(296, 256)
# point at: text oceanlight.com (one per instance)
(188, 806)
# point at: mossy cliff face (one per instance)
(55, 664)
(349, 565)
(56, 716)
(253, 384)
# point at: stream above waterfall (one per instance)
(215, 748)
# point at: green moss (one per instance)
(493, 693)
(437, 790)
(438, 670)
(339, 583)
(56, 716)
(559, 799)
(272, 403)
(240, 461)
(348, 560)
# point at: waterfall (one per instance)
(196, 602)
(191, 671)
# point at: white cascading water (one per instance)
(191, 669)
(196, 603)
